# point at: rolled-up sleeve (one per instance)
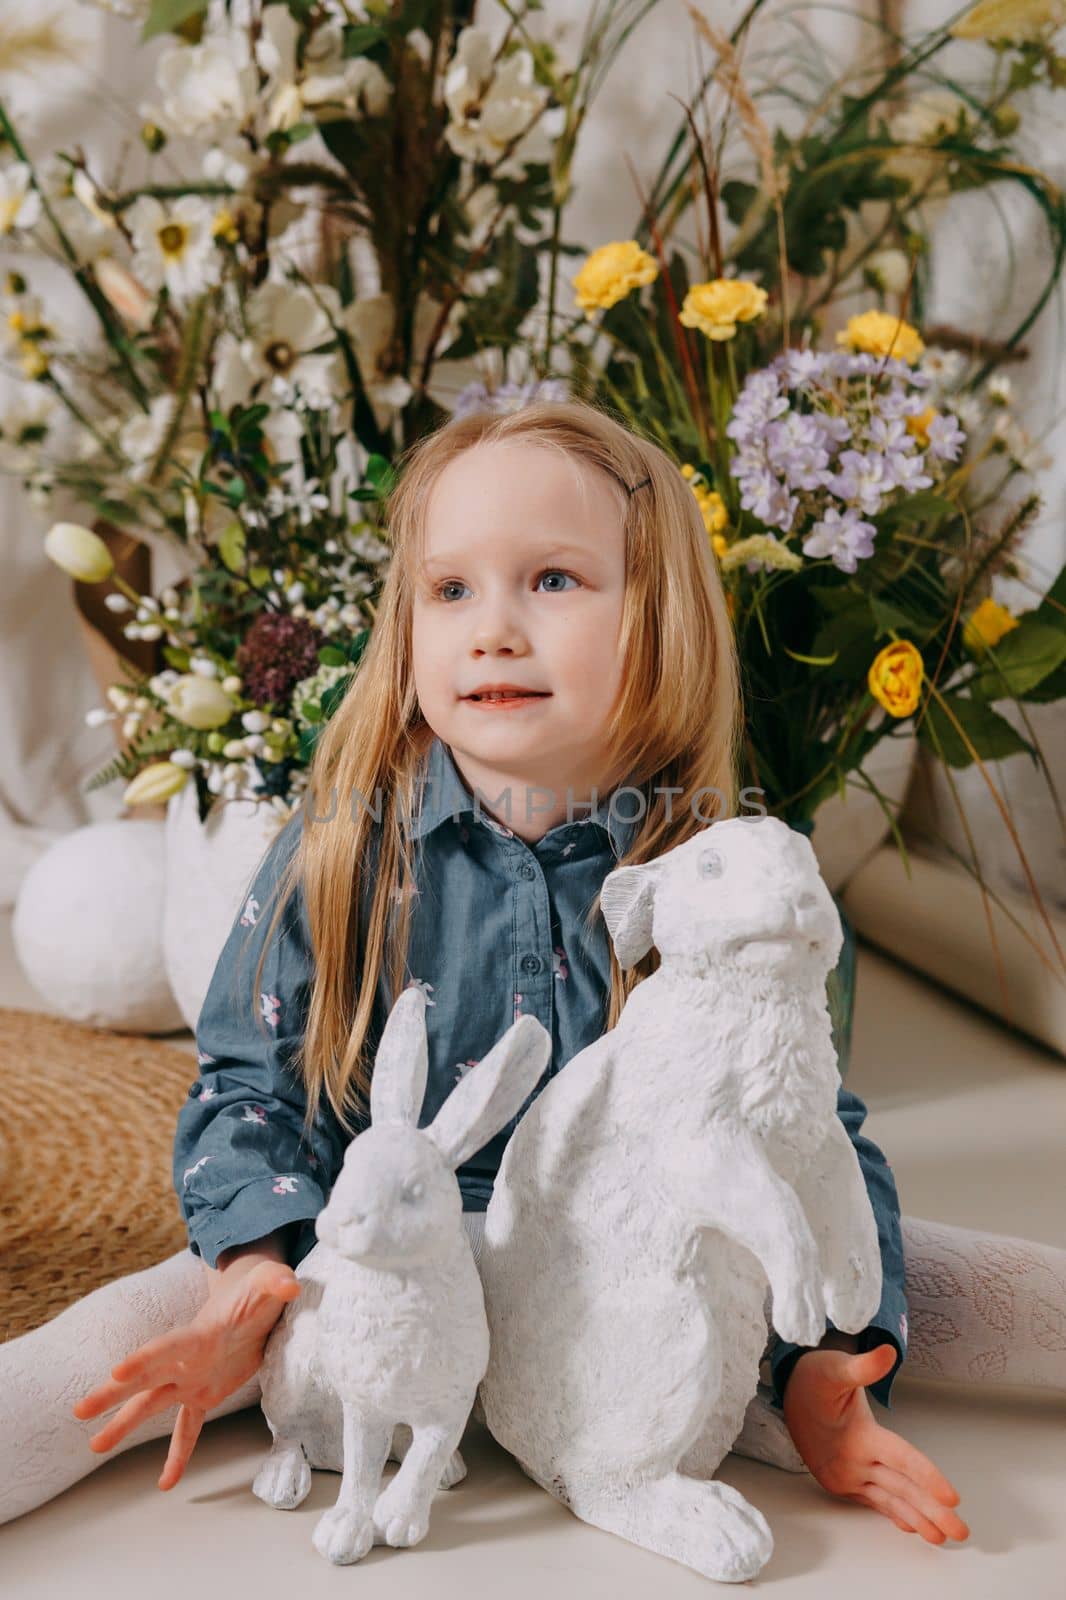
(889, 1326)
(243, 1166)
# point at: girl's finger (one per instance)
(131, 1376)
(899, 1510)
(895, 1451)
(906, 1489)
(145, 1404)
(863, 1500)
(182, 1441)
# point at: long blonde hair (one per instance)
(676, 723)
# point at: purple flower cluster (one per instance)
(508, 396)
(822, 443)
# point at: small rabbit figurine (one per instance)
(659, 1180)
(382, 1352)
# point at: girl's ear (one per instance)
(492, 1092)
(627, 900)
(401, 1066)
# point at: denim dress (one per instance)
(496, 932)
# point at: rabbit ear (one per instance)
(401, 1066)
(492, 1092)
(627, 900)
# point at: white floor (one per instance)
(972, 1119)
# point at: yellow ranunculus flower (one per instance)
(199, 702)
(895, 678)
(78, 551)
(882, 334)
(1016, 21)
(985, 627)
(919, 426)
(715, 308)
(155, 784)
(612, 272)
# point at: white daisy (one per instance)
(207, 87)
(20, 206)
(174, 245)
(287, 325)
(24, 426)
(490, 106)
(326, 81)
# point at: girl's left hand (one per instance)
(833, 1427)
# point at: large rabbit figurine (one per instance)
(656, 1184)
(382, 1352)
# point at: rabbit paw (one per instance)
(454, 1472)
(852, 1300)
(284, 1479)
(399, 1520)
(799, 1315)
(343, 1536)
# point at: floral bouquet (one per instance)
(335, 211)
(861, 488)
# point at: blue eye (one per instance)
(549, 572)
(554, 572)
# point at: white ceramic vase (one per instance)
(847, 831)
(209, 866)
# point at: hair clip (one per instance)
(637, 486)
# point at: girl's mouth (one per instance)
(504, 702)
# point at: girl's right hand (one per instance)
(197, 1365)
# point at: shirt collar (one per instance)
(446, 795)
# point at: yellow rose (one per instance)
(715, 308)
(155, 784)
(612, 272)
(986, 626)
(1016, 21)
(882, 335)
(199, 702)
(895, 678)
(78, 551)
(919, 426)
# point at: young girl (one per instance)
(552, 652)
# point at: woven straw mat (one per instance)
(86, 1141)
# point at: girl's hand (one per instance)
(833, 1427)
(198, 1364)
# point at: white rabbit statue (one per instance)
(382, 1351)
(673, 1166)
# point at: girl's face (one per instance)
(523, 583)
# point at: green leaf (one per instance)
(259, 576)
(358, 645)
(377, 470)
(887, 616)
(361, 38)
(990, 734)
(231, 547)
(176, 657)
(165, 16)
(1052, 609)
(335, 694)
(311, 711)
(1049, 689)
(332, 656)
(1023, 658)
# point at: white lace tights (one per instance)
(982, 1307)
